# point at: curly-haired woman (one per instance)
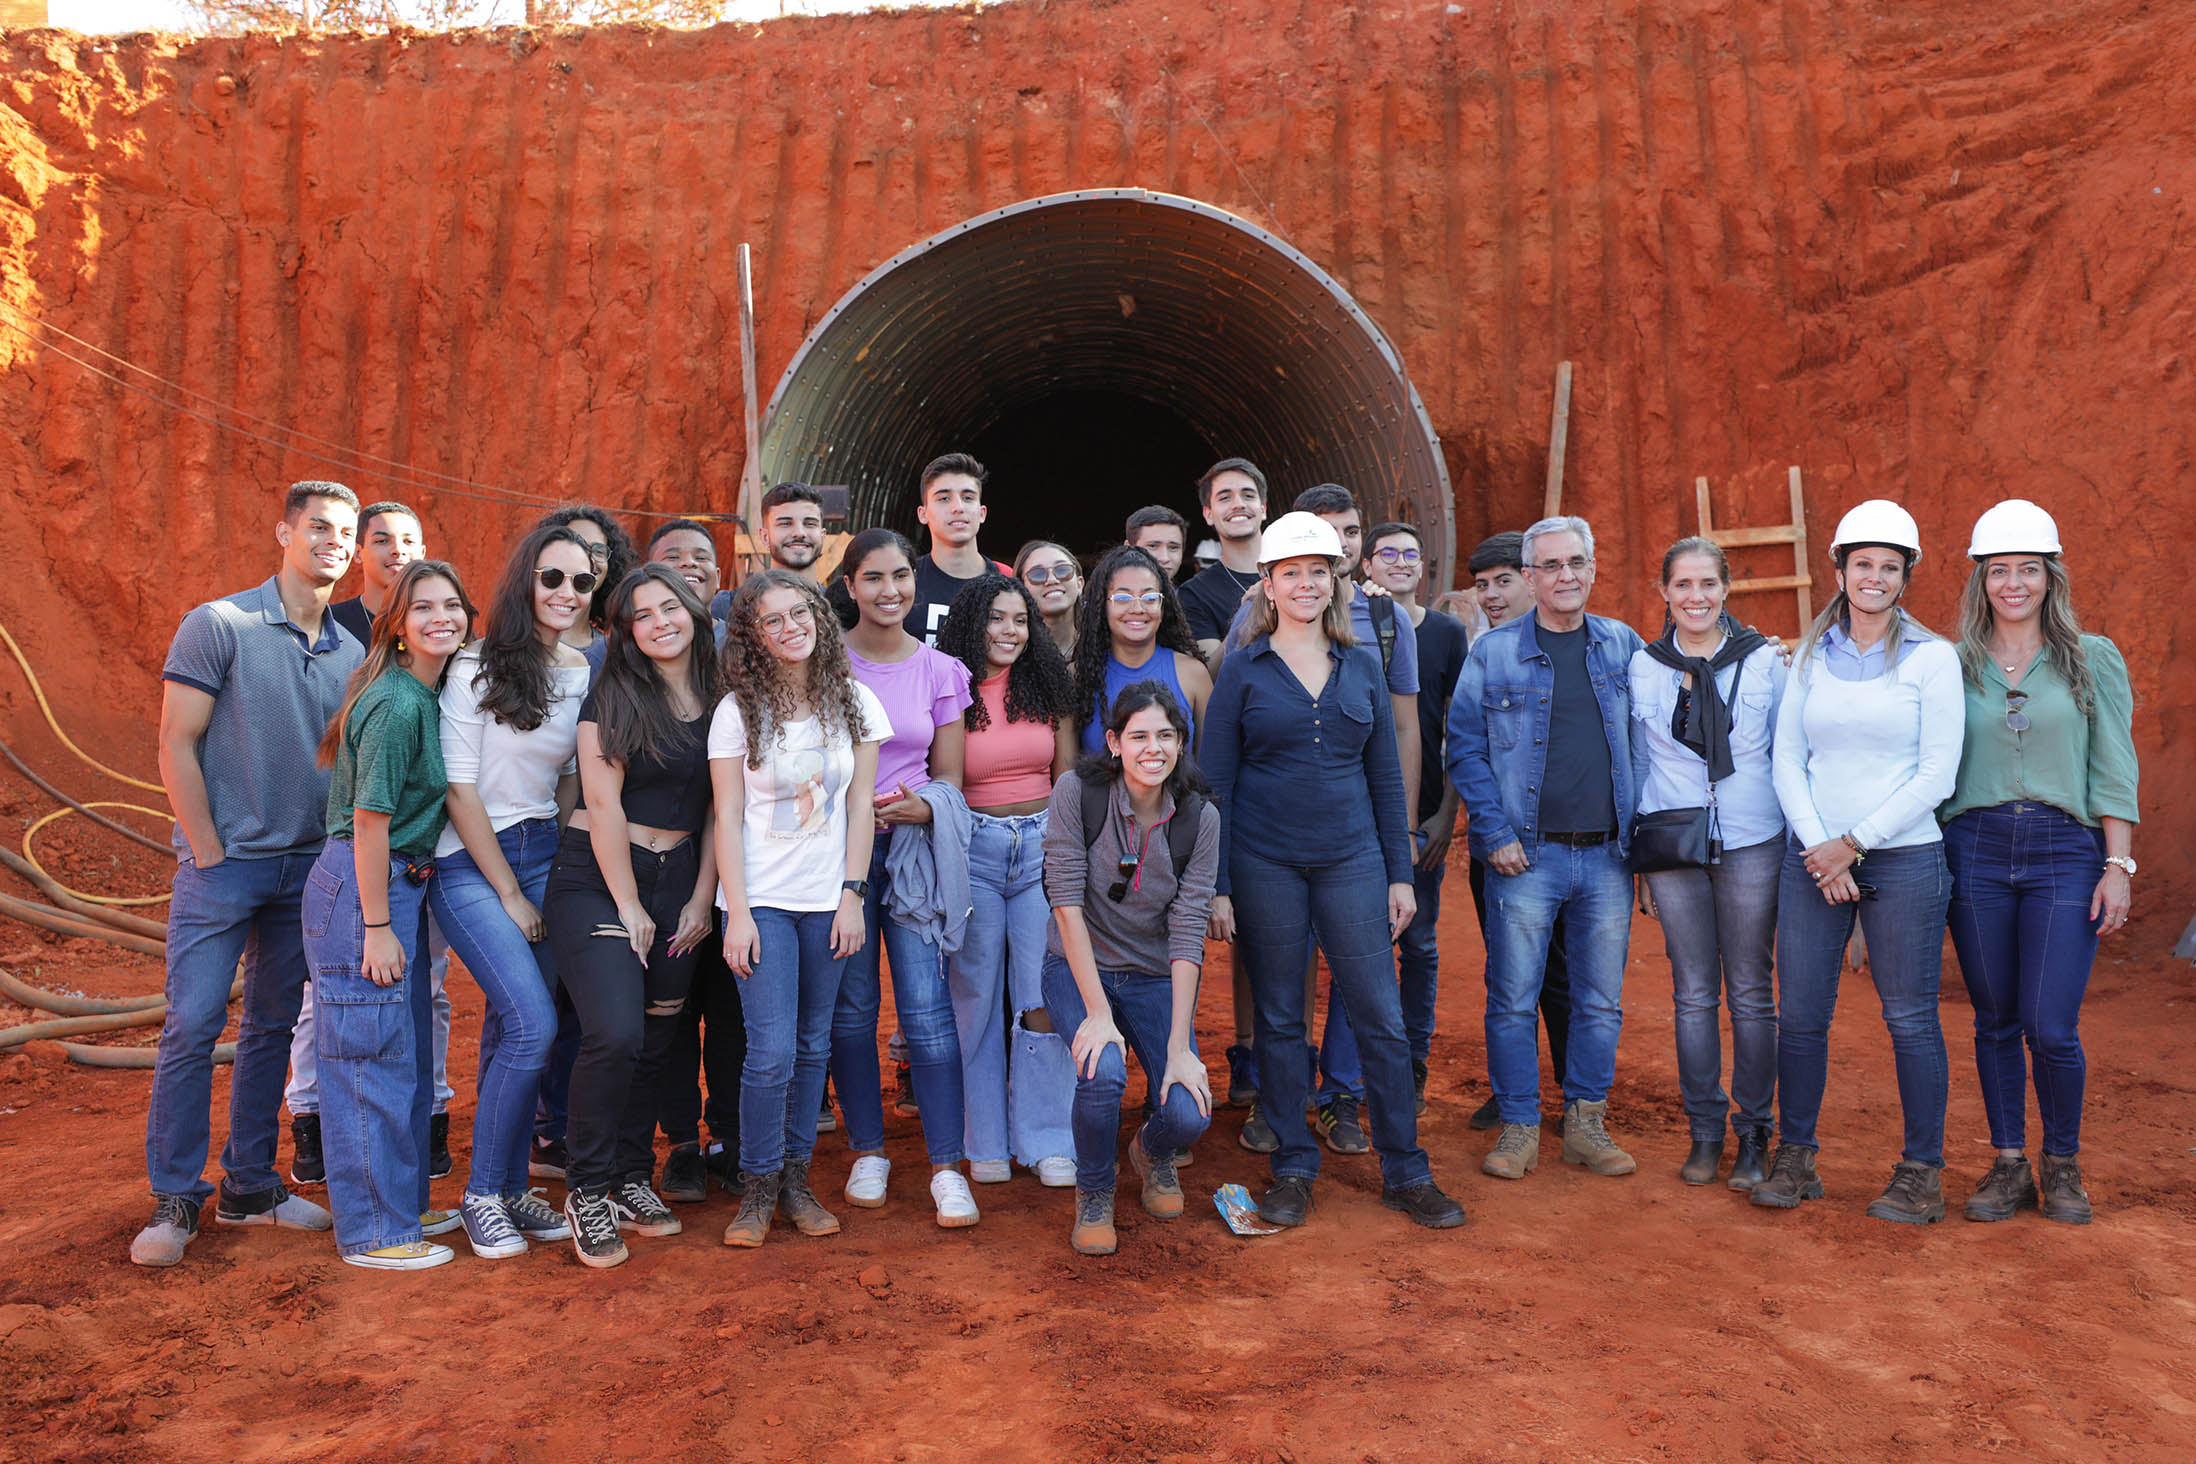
(1021, 736)
(793, 760)
(1132, 629)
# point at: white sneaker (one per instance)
(1056, 1172)
(990, 1171)
(412, 1255)
(956, 1206)
(865, 1184)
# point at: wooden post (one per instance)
(1803, 571)
(751, 470)
(1559, 435)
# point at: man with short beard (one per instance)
(1232, 497)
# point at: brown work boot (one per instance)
(751, 1226)
(1516, 1153)
(1093, 1234)
(800, 1205)
(2064, 1199)
(1915, 1195)
(1587, 1142)
(2006, 1190)
(1792, 1178)
(1162, 1189)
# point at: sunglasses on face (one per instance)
(2016, 720)
(1046, 574)
(1127, 871)
(553, 578)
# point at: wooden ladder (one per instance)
(1800, 582)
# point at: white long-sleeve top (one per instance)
(1871, 758)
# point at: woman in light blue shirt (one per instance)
(1868, 744)
(1704, 718)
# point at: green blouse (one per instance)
(390, 761)
(2084, 765)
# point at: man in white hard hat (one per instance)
(1539, 746)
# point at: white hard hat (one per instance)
(1878, 521)
(2015, 526)
(1298, 533)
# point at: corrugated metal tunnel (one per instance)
(1099, 349)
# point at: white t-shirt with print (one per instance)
(793, 832)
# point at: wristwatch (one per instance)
(860, 887)
(2124, 862)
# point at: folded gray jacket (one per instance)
(928, 867)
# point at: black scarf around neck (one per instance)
(1707, 728)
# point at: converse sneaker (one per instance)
(438, 1145)
(956, 1206)
(306, 1164)
(865, 1183)
(594, 1222)
(535, 1217)
(639, 1209)
(438, 1222)
(412, 1255)
(488, 1228)
(173, 1226)
(275, 1206)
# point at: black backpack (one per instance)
(1383, 617)
(1181, 829)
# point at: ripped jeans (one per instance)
(628, 1012)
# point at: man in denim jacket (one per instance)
(1550, 796)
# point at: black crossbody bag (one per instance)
(1677, 838)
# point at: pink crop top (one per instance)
(1008, 762)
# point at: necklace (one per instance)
(1241, 582)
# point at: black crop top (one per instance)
(667, 794)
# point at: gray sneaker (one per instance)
(535, 1217)
(173, 1226)
(275, 1206)
(488, 1228)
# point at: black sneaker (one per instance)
(1426, 1204)
(1289, 1202)
(594, 1222)
(306, 1164)
(1487, 1115)
(1339, 1125)
(1258, 1135)
(546, 1159)
(639, 1209)
(1242, 1088)
(684, 1177)
(723, 1166)
(438, 1145)
(1418, 1083)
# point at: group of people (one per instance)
(680, 834)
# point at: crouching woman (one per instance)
(1132, 846)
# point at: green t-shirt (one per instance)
(391, 762)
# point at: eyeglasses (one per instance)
(1576, 564)
(598, 551)
(2015, 719)
(1045, 574)
(1150, 599)
(552, 578)
(1396, 556)
(777, 624)
(1127, 871)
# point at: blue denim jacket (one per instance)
(1498, 729)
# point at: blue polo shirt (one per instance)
(274, 694)
(1304, 781)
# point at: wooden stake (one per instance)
(1559, 436)
(751, 470)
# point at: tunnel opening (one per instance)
(1098, 350)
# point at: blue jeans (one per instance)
(925, 1011)
(787, 1000)
(2023, 875)
(1017, 1102)
(1590, 890)
(1278, 908)
(376, 1049)
(517, 978)
(1904, 923)
(1143, 1008)
(1418, 971)
(1719, 926)
(239, 908)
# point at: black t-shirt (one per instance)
(934, 592)
(1441, 649)
(671, 792)
(354, 617)
(1578, 791)
(1211, 598)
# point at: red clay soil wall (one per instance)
(1935, 249)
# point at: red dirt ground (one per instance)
(1573, 1318)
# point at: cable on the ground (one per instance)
(32, 859)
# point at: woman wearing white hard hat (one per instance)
(1300, 748)
(2037, 832)
(1868, 743)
